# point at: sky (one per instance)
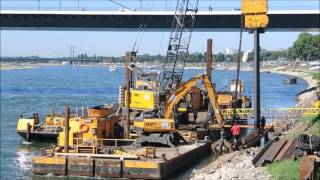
(108, 43)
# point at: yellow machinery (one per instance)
(88, 133)
(163, 130)
(225, 100)
(89, 130)
(144, 95)
(183, 89)
(143, 99)
(54, 120)
(156, 125)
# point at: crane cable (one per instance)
(238, 71)
(121, 5)
(141, 30)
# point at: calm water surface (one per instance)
(41, 89)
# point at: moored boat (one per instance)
(113, 68)
(290, 80)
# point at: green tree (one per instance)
(220, 57)
(291, 54)
(303, 46)
(315, 47)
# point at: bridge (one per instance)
(280, 20)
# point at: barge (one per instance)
(139, 163)
(30, 128)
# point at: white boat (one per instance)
(65, 63)
(112, 68)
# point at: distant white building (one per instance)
(228, 51)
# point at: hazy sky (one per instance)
(107, 43)
(57, 43)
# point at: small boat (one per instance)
(30, 128)
(112, 68)
(290, 80)
(65, 63)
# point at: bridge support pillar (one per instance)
(257, 110)
(209, 66)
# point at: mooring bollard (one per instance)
(66, 128)
(28, 138)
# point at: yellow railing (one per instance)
(102, 142)
(271, 112)
(240, 113)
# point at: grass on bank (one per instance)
(285, 169)
(310, 120)
(316, 76)
(314, 129)
(313, 122)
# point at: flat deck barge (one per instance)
(164, 163)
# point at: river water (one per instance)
(45, 88)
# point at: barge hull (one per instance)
(40, 136)
(117, 168)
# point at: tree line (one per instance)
(306, 47)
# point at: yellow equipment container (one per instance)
(143, 99)
(22, 124)
(255, 13)
(155, 125)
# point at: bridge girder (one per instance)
(286, 20)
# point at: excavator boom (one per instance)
(183, 89)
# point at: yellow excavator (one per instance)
(164, 130)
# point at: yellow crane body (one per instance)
(143, 99)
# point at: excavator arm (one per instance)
(183, 89)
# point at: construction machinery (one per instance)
(178, 48)
(30, 128)
(52, 128)
(228, 100)
(164, 130)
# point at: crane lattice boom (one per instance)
(179, 41)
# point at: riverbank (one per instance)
(18, 66)
(238, 165)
